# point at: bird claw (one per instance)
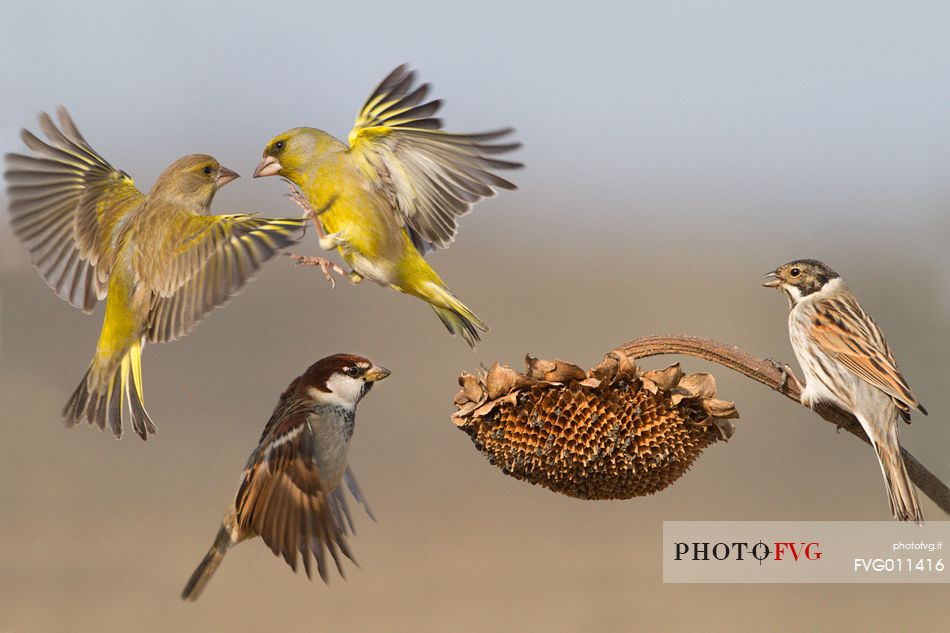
(789, 379)
(328, 242)
(325, 265)
(297, 198)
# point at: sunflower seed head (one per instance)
(613, 432)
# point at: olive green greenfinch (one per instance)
(396, 190)
(160, 260)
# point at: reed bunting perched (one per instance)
(846, 362)
(291, 494)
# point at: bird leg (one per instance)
(325, 265)
(298, 198)
(789, 380)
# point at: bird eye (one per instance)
(795, 272)
(352, 372)
(207, 170)
(279, 145)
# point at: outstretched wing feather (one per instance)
(66, 205)
(430, 176)
(213, 258)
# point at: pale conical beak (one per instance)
(773, 281)
(225, 176)
(269, 166)
(376, 373)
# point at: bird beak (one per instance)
(225, 176)
(376, 373)
(774, 281)
(269, 166)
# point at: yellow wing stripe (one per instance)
(210, 272)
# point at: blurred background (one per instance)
(675, 153)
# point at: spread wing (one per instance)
(432, 177)
(211, 257)
(847, 334)
(283, 500)
(66, 203)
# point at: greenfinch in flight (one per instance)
(395, 190)
(160, 260)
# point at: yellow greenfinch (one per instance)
(161, 259)
(395, 190)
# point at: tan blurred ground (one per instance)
(100, 535)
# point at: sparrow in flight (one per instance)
(291, 494)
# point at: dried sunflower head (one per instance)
(613, 432)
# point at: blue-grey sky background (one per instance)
(740, 109)
(807, 129)
(674, 151)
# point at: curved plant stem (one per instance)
(779, 378)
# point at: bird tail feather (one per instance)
(455, 315)
(99, 401)
(905, 506)
(208, 565)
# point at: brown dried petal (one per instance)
(553, 370)
(627, 366)
(460, 417)
(664, 380)
(537, 368)
(590, 382)
(485, 409)
(607, 368)
(615, 365)
(502, 379)
(472, 387)
(699, 385)
(722, 409)
(565, 372)
(725, 428)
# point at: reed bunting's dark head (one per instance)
(800, 278)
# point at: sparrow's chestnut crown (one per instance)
(319, 375)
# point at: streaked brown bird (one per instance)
(847, 362)
(160, 260)
(291, 493)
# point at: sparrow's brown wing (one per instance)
(283, 500)
(205, 261)
(846, 333)
(431, 177)
(341, 510)
(66, 204)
